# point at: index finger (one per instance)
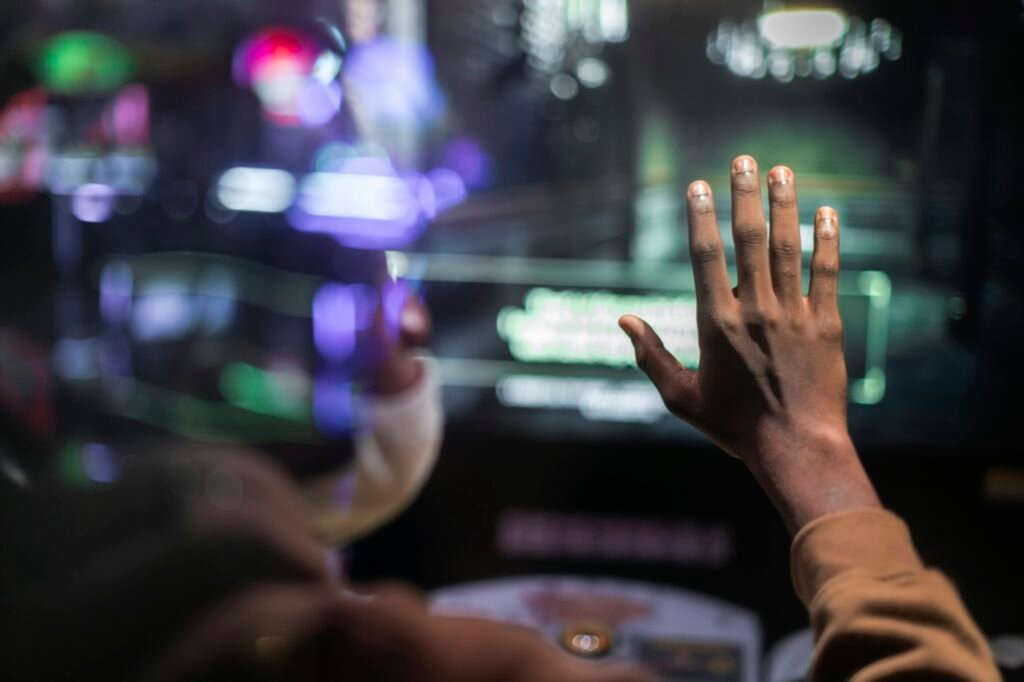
(706, 250)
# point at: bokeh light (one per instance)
(365, 205)
(465, 156)
(292, 75)
(83, 62)
(257, 190)
(794, 44)
(392, 82)
(93, 203)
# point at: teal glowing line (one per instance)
(279, 291)
(206, 420)
(878, 288)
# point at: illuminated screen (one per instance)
(554, 342)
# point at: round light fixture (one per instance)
(797, 43)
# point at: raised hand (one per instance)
(771, 388)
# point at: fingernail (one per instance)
(780, 175)
(743, 164)
(699, 189)
(827, 215)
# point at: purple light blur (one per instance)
(130, 117)
(318, 102)
(394, 297)
(368, 165)
(93, 203)
(448, 188)
(366, 302)
(334, 322)
(116, 292)
(360, 210)
(393, 81)
(333, 405)
(465, 156)
(99, 463)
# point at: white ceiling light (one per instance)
(797, 43)
(801, 29)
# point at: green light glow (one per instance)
(588, 318)
(83, 62)
(292, 293)
(207, 420)
(277, 393)
(878, 288)
(69, 465)
(581, 327)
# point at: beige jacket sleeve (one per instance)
(877, 612)
(394, 456)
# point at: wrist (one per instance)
(812, 473)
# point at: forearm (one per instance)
(394, 456)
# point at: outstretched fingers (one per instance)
(823, 296)
(706, 251)
(784, 240)
(749, 232)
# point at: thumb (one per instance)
(676, 384)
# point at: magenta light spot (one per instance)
(272, 52)
(130, 117)
(276, 63)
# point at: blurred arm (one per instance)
(394, 458)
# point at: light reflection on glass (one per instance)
(257, 190)
(334, 322)
(333, 405)
(364, 211)
(800, 43)
(116, 292)
(163, 316)
(93, 203)
(99, 463)
(392, 82)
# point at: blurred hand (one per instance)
(392, 636)
(241, 493)
(771, 388)
(398, 369)
(299, 632)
